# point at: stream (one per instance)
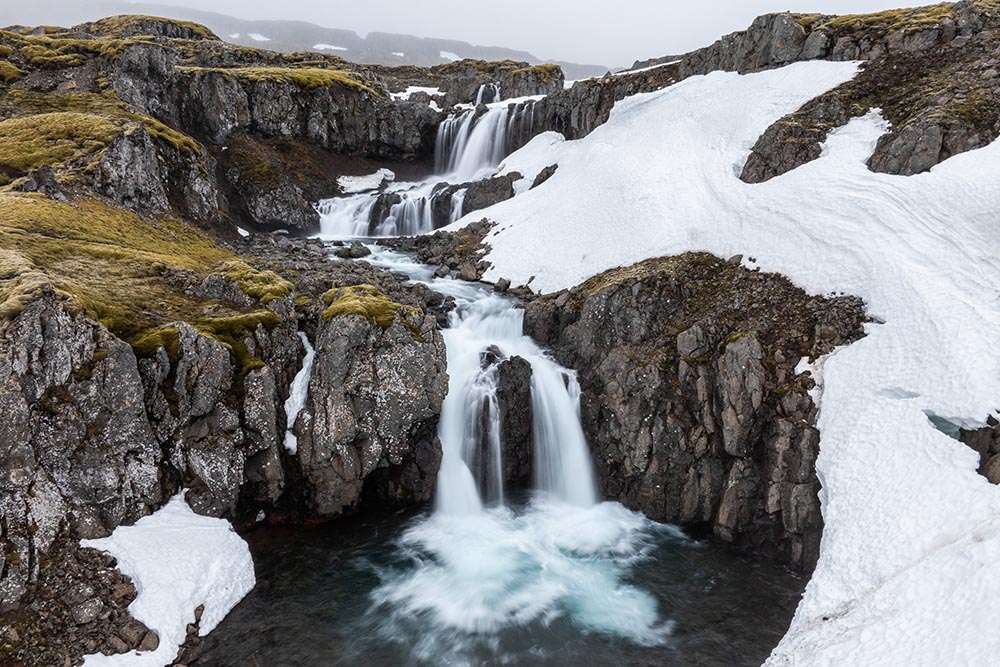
(492, 575)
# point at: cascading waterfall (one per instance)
(457, 203)
(469, 146)
(479, 566)
(297, 394)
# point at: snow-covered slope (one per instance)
(178, 560)
(909, 571)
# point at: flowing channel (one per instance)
(470, 144)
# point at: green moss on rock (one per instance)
(364, 300)
(263, 286)
(307, 78)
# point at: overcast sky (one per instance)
(612, 33)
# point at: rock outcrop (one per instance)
(101, 431)
(691, 400)
(986, 442)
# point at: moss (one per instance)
(891, 20)
(547, 71)
(264, 286)
(5, 51)
(233, 332)
(105, 105)
(55, 139)
(9, 72)
(127, 25)
(364, 300)
(104, 261)
(307, 78)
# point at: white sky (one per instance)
(606, 33)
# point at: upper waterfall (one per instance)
(470, 144)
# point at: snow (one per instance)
(242, 232)
(350, 185)
(908, 570)
(398, 54)
(178, 560)
(645, 69)
(448, 55)
(329, 47)
(235, 35)
(405, 95)
(257, 37)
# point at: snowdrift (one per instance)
(909, 571)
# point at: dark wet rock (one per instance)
(80, 607)
(375, 394)
(544, 175)
(691, 403)
(356, 250)
(459, 250)
(986, 442)
(514, 400)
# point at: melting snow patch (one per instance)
(625, 72)
(257, 37)
(353, 184)
(178, 560)
(405, 95)
(398, 54)
(328, 47)
(242, 232)
(235, 35)
(448, 55)
(908, 567)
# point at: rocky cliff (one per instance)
(931, 70)
(693, 402)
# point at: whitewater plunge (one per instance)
(501, 576)
(469, 146)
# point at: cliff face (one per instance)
(692, 403)
(102, 432)
(931, 71)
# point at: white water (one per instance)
(479, 567)
(297, 394)
(469, 147)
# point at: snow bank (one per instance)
(177, 560)
(645, 69)
(257, 37)
(910, 561)
(405, 95)
(448, 55)
(354, 184)
(329, 47)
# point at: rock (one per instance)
(150, 642)
(442, 271)
(691, 417)
(502, 285)
(514, 401)
(374, 398)
(544, 175)
(356, 250)
(87, 611)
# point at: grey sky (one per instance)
(609, 33)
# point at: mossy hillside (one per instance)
(263, 286)
(306, 78)
(9, 72)
(130, 25)
(108, 263)
(909, 20)
(55, 139)
(364, 300)
(65, 49)
(546, 71)
(20, 102)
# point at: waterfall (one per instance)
(488, 90)
(457, 202)
(486, 328)
(469, 146)
(297, 394)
